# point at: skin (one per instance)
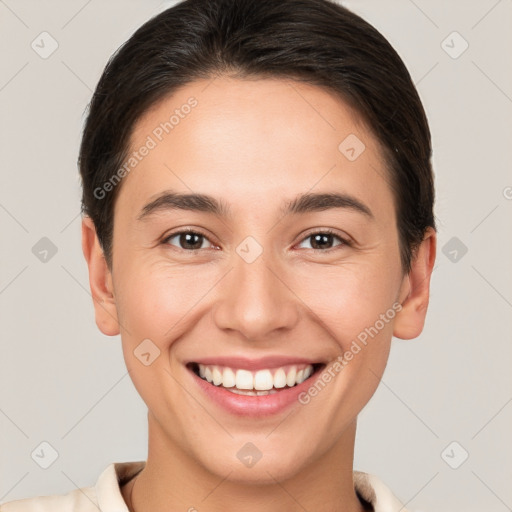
(254, 144)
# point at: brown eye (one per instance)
(187, 240)
(323, 240)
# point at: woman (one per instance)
(258, 223)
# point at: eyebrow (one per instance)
(303, 203)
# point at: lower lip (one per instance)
(247, 405)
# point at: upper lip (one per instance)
(259, 363)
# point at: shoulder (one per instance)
(374, 491)
(79, 500)
(105, 495)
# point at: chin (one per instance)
(257, 462)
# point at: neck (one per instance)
(173, 480)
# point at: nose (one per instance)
(257, 300)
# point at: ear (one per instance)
(415, 290)
(100, 280)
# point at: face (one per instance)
(265, 283)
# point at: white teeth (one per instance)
(244, 379)
(290, 377)
(240, 392)
(261, 382)
(217, 376)
(252, 393)
(280, 379)
(269, 392)
(228, 378)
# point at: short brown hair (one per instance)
(314, 41)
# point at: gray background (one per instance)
(65, 383)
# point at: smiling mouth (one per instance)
(255, 383)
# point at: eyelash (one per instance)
(327, 231)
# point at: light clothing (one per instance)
(106, 495)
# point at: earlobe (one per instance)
(415, 288)
(100, 280)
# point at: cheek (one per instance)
(152, 306)
(350, 298)
(153, 309)
(158, 299)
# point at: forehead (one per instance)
(253, 140)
